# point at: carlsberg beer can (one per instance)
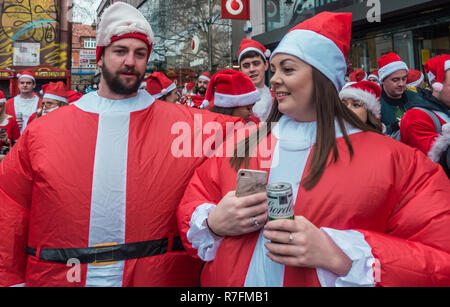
(279, 198)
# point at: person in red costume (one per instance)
(88, 195)
(369, 211)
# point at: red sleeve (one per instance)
(203, 188)
(9, 107)
(415, 250)
(16, 182)
(15, 130)
(417, 130)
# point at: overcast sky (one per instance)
(85, 11)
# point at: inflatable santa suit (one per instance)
(386, 207)
(88, 195)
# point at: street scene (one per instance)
(225, 144)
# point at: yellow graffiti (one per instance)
(31, 21)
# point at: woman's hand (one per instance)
(235, 216)
(299, 243)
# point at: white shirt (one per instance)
(262, 108)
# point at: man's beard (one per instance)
(119, 85)
(200, 90)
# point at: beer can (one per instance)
(280, 201)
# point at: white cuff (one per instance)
(353, 244)
(199, 234)
(18, 286)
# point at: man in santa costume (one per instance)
(418, 129)
(253, 61)
(26, 103)
(88, 194)
(375, 215)
(393, 74)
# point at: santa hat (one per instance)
(323, 42)
(415, 77)
(119, 21)
(2, 97)
(56, 91)
(205, 76)
(390, 63)
(252, 45)
(230, 89)
(158, 85)
(358, 75)
(27, 74)
(73, 96)
(436, 69)
(374, 74)
(187, 88)
(368, 93)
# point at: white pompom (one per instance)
(205, 104)
(164, 92)
(446, 129)
(267, 53)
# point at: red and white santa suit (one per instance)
(386, 208)
(26, 106)
(417, 127)
(99, 171)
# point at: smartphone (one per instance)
(250, 182)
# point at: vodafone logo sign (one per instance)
(195, 44)
(234, 7)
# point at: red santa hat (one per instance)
(27, 74)
(252, 45)
(73, 96)
(390, 63)
(323, 42)
(374, 74)
(188, 87)
(368, 93)
(358, 75)
(2, 97)
(415, 77)
(205, 76)
(119, 21)
(159, 85)
(56, 91)
(436, 68)
(231, 89)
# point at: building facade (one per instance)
(36, 35)
(415, 29)
(84, 65)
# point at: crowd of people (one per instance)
(367, 156)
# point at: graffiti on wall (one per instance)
(31, 21)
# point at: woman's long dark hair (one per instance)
(328, 108)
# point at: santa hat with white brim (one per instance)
(205, 76)
(158, 85)
(56, 91)
(316, 42)
(248, 45)
(231, 89)
(436, 68)
(27, 74)
(121, 20)
(389, 64)
(368, 93)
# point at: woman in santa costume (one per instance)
(363, 98)
(234, 94)
(369, 211)
(418, 129)
(88, 195)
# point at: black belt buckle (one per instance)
(104, 254)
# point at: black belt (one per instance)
(108, 253)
